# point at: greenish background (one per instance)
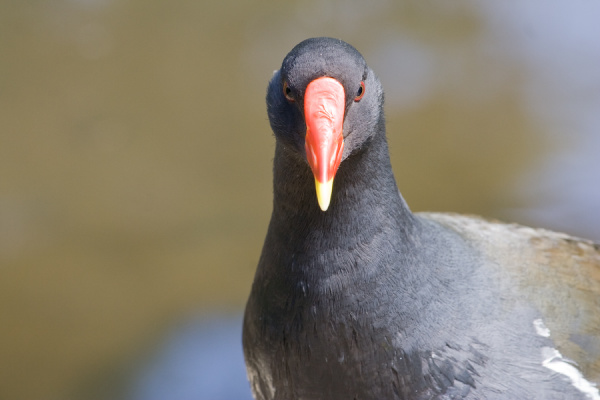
(135, 153)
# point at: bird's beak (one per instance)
(324, 103)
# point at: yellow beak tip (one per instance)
(324, 193)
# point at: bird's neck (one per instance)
(366, 206)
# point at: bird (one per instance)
(356, 297)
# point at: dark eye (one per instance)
(360, 92)
(287, 92)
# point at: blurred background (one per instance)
(135, 164)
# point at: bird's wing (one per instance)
(556, 273)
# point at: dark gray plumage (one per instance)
(370, 301)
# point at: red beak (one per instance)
(324, 104)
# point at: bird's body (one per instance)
(369, 301)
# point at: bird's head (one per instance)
(324, 103)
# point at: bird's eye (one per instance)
(287, 92)
(360, 92)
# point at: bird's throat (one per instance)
(364, 186)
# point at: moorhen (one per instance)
(356, 297)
